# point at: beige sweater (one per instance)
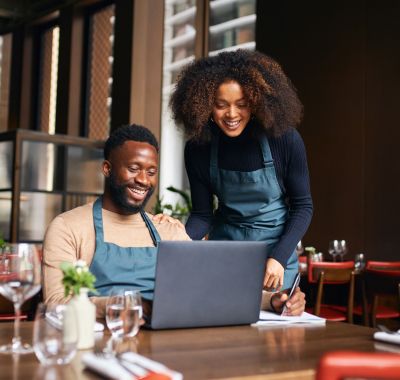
(71, 236)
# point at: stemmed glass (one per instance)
(299, 248)
(123, 312)
(342, 248)
(19, 281)
(333, 249)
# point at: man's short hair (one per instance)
(131, 132)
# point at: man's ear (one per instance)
(106, 168)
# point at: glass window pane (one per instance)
(5, 214)
(37, 210)
(100, 73)
(5, 66)
(84, 170)
(232, 25)
(179, 48)
(6, 157)
(39, 166)
(48, 80)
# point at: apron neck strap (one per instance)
(98, 223)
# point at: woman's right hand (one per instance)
(273, 279)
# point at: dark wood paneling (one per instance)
(382, 162)
(321, 46)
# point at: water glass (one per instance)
(123, 312)
(359, 262)
(54, 341)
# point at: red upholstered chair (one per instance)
(339, 365)
(323, 273)
(383, 265)
(380, 283)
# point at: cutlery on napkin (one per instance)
(127, 365)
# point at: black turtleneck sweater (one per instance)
(243, 153)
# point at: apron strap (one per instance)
(98, 220)
(150, 226)
(266, 151)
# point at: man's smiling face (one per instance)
(131, 175)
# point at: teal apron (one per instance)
(119, 267)
(251, 205)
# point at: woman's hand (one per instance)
(294, 306)
(273, 275)
(162, 218)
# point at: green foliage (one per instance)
(2, 242)
(76, 277)
(179, 211)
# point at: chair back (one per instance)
(379, 282)
(337, 365)
(332, 273)
(389, 265)
(335, 273)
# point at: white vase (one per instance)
(85, 316)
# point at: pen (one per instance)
(294, 286)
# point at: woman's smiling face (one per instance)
(231, 111)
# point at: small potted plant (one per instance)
(78, 281)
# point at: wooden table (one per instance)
(240, 352)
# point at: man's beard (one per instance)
(119, 197)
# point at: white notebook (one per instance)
(269, 318)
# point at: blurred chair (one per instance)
(339, 365)
(323, 273)
(380, 283)
(390, 265)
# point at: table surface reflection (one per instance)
(289, 352)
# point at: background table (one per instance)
(239, 352)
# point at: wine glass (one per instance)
(342, 248)
(123, 312)
(359, 262)
(333, 249)
(19, 281)
(299, 248)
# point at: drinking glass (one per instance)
(299, 248)
(343, 249)
(123, 312)
(54, 340)
(359, 262)
(19, 281)
(333, 249)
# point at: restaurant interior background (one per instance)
(83, 67)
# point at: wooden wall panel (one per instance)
(382, 161)
(321, 46)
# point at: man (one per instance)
(114, 234)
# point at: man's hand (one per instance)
(294, 306)
(273, 275)
(162, 218)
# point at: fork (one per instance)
(383, 328)
(134, 369)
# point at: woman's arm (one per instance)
(295, 179)
(197, 162)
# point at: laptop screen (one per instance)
(208, 283)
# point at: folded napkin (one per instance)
(385, 337)
(56, 322)
(129, 365)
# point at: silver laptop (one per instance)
(208, 283)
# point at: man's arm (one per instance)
(59, 246)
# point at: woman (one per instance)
(239, 110)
